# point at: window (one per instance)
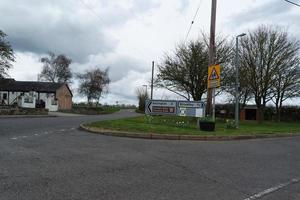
(28, 100)
(4, 96)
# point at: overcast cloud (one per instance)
(124, 35)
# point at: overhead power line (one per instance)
(90, 9)
(192, 23)
(292, 3)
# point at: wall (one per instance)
(50, 102)
(64, 98)
(11, 97)
(26, 104)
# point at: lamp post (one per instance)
(236, 116)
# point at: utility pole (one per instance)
(152, 80)
(211, 56)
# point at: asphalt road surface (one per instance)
(49, 158)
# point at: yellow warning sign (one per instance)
(214, 76)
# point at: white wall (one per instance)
(28, 104)
(49, 99)
(50, 102)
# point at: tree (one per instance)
(229, 82)
(287, 77)
(142, 96)
(56, 68)
(265, 52)
(93, 84)
(6, 55)
(185, 72)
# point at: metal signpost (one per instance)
(176, 108)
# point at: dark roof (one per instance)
(26, 86)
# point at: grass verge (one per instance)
(188, 126)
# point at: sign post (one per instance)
(160, 107)
(175, 108)
(213, 82)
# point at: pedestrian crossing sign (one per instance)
(214, 79)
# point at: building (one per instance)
(249, 113)
(32, 94)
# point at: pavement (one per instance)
(49, 158)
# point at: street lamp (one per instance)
(237, 79)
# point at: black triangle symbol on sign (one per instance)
(213, 75)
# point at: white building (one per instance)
(31, 94)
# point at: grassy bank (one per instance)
(188, 126)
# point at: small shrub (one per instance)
(230, 124)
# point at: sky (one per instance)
(125, 35)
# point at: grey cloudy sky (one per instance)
(124, 35)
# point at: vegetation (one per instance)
(188, 126)
(185, 72)
(6, 55)
(93, 84)
(56, 68)
(142, 95)
(269, 69)
(90, 110)
(270, 58)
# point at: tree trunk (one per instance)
(260, 111)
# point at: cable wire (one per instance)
(92, 11)
(194, 18)
(292, 3)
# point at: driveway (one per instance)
(49, 158)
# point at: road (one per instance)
(50, 159)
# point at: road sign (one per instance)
(214, 76)
(191, 108)
(179, 108)
(190, 104)
(161, 107)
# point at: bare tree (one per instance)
(93, 84)
(228, 83)
(142, 96)
(6, 55)
(185, 72)
(56, 68)
(287, 79)
(265, 51)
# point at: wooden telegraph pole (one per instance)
(212, 52)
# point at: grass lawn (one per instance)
(188, 126)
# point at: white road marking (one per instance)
(38, 134)
(273, 189)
